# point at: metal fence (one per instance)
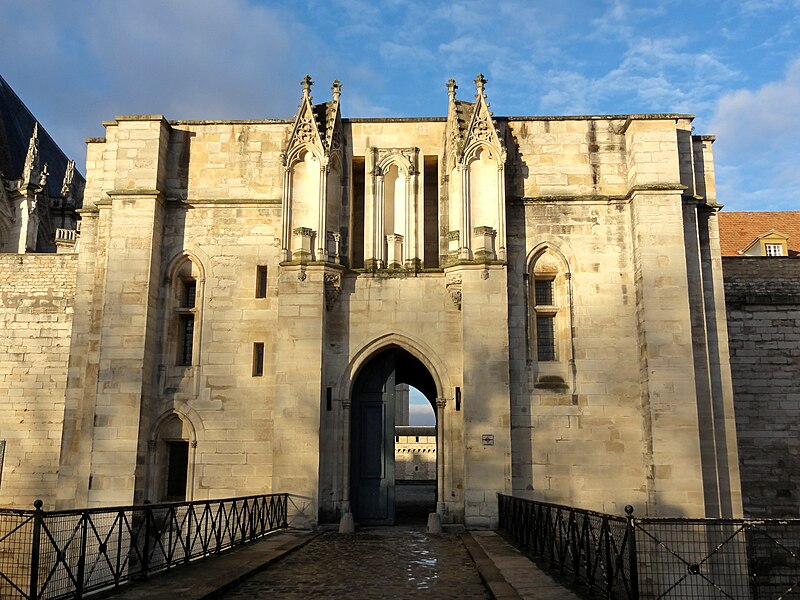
(597, 550)
(629, 557)
(67, 554)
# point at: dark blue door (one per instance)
(372, 439)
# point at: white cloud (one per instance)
(183, 58)
(765, 115)
(421, 415)
(660, 74)
(758, 145)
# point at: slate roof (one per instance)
(16, 127)
(737, 230)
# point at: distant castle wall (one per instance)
(415, 453)
(37, 293)
(763, 302)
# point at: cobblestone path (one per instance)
(381, 562)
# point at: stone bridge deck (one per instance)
(379, 562)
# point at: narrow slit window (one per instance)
(258, 359)
(261, 281)
(186, 345)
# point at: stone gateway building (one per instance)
(249, 294)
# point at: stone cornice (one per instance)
(231, 121)
(655, 188)
(134, 192)
(654, 117)
(314, 264)
(224, 202)
(581, 198)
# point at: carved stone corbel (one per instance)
(453, 286)
(333, 287)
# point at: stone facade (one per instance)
(37, 292)
(551, 284)
(763, 300)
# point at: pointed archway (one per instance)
(372, 427)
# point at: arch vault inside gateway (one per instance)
(372, 442)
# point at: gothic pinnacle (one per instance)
(480, 84)
(336, 90)
(306, 85)
(451, 88)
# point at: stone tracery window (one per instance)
(546, 312)
(186, 307)
(550, 322)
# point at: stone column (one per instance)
(346, 524)
(501, 208)
(322, 229)
(465, 252)
(286, 209)
(440, 455)
(379, 226)
(345, 458)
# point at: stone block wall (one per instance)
(763, 300)
(36, 302)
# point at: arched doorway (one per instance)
(171, 456)
(372, 426)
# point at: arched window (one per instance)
(186, 309)
(550, 322)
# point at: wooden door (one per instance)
(372, 442)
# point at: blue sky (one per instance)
(734, 64)
(420, 411)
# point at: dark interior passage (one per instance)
(387, 485)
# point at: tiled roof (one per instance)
(16, 127)
(737, 230)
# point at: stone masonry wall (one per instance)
(36, 302)
(762, 297)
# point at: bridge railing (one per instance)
(597, 550)
(630, 557)
(71, 553)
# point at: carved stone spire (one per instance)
(306, 85)
(451, 89)
(31, 171)
(69, 175)
(336, 90)
(480, 85)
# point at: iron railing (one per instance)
(71, 553)
(629, 557)
(597, 550)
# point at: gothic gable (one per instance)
(482, 130)
(317, 127)
(470, 126)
